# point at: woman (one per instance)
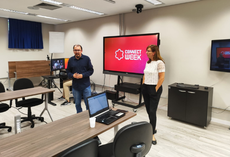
(154, 74)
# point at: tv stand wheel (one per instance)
(134, 110)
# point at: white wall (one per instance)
(7, 54)
(90, 35)
(186, 32)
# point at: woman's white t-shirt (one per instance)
(151, 71)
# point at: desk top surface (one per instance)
(24, 93)
(51, 139)
(51, 76)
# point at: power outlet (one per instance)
(17, 124)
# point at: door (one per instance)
(196, 110)
(177, 103)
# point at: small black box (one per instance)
(111, 95)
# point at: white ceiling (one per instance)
(121, 6)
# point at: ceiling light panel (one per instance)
(13, 11)
(53, 2)
(86, 10)
(47, 17)
(111, 1)
(155, 2)
(73, 7)
(19, 12)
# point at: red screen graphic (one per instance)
(66, 62)
(224, 50)
(127, 53)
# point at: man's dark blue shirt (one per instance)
(82, 66)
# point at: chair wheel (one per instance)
(32, 126)
(9, 130)
(134, 110)
(41, 119)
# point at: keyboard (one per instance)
(103, 116)
(108, 117)
(107, 114)
(109, 120)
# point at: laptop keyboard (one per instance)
(103, 116)
(110, 120)
(107, 114)
(107, 117)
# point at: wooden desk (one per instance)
(28, 92)
(51, 139)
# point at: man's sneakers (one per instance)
(65, 103)
(61, 98)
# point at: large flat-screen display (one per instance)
(126, 55)
(220, 55)
(57, 64)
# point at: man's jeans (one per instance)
(78, 95)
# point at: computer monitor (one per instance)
(66, 62)
(97, 104)
(57, 64)
(220, 55)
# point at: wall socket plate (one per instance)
(17, 124)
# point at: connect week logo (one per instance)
(128, 54)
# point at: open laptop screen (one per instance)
(97, 104)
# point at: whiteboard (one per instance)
(56, 42)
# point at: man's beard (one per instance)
(77, 56)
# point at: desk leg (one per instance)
(115, 130)
(46, 107)
(50, 97)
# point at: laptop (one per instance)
(98, 107)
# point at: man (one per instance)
(79, 69)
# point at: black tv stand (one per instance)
(50, 79)
(129, 88)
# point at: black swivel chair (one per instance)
(25, 83)
(88, 148)
(4, 107)
(133, 140)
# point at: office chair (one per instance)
(133, 140)
(88, 148)
(4, 107)
(25, 83)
